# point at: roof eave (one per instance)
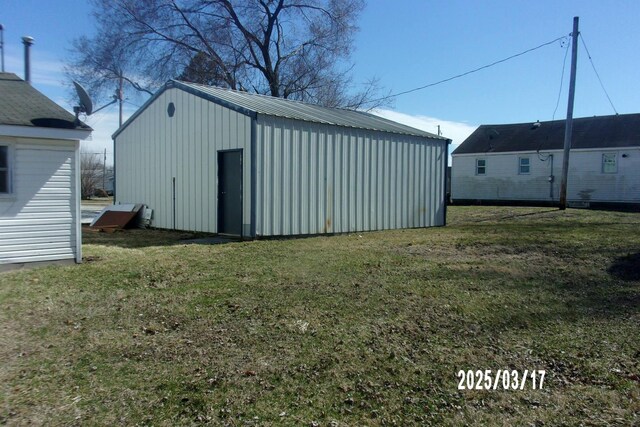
(252, 113)
(45, 133)
(417, 134)
(175, 84)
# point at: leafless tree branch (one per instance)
(297, 49)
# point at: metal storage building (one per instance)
(39, 177)
(221, 161)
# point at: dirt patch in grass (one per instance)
(139, 238)
(627, 267)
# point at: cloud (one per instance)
(456, 131)
(104, 124)
(45, 70)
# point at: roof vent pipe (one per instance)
(2, 45)
(27, 41)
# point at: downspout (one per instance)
(78, 191)
(446, 167)
(173, 197)
(254, 173)
(551, 177)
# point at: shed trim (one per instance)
(174, 84)
(78, 210)
(179, 85)
(254, 178)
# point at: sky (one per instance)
(407, 44)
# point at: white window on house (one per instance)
(481, 166)
(4, 170)
(524, 166)
(609, 163)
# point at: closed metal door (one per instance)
(230, 192)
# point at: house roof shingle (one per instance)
(22, 105)
(588, 132)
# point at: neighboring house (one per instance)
(522, 163)
(39, 176)
(221, 161)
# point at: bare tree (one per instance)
(91, 170)
(202, 69)
(100, 63)
(297, 49)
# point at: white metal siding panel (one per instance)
(314, 179)
(155, 148)
(38, 222)
(586, 181)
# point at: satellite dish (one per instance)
(86, 106)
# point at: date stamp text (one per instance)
(503, 379)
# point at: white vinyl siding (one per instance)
(38, 220)
(586, 180)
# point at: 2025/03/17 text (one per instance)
(502, 378)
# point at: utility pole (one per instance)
(120, 96)
(569, 122)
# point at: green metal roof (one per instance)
(253, 104)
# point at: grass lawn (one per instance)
(362, 329)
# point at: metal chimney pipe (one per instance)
(27, 41)
(2, 44)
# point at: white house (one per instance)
(221, 161)
(39, 177)
(522, 163)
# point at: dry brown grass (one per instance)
(366, 329)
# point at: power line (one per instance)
(597, 75)
(99, 118)
(468, 72)
(564, 63)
